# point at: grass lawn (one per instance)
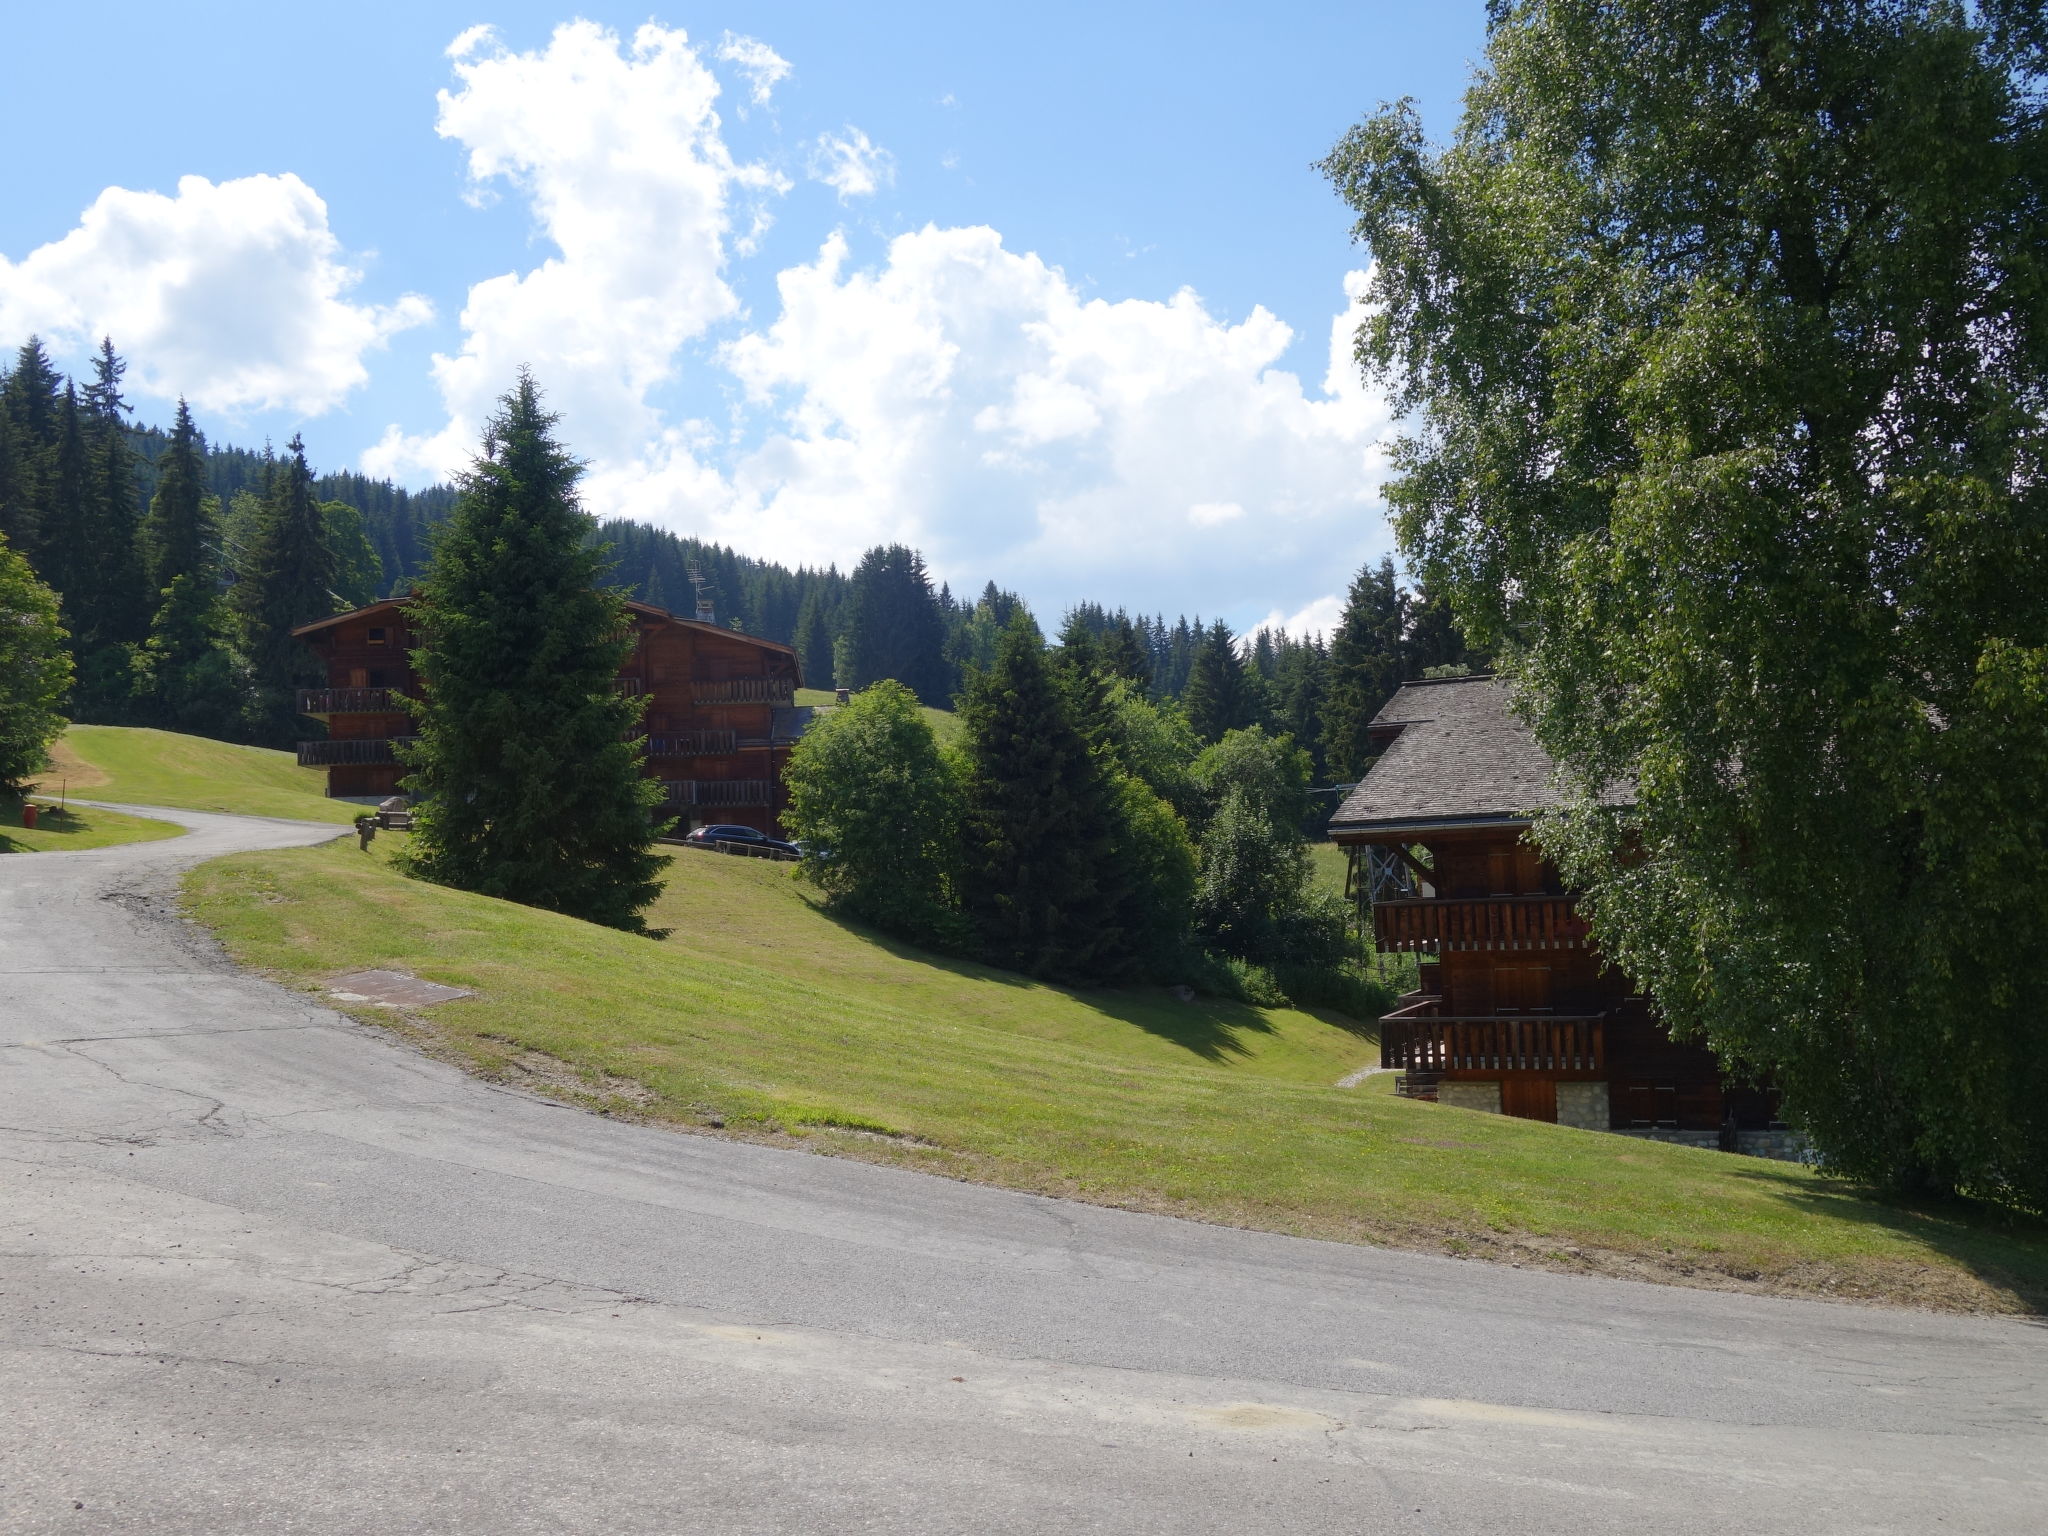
(145, 767)
(944, 723)
(75, 828)
(763, 1017)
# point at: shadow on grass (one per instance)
(2004, 1249)
(51, 820)
(1214, 1029)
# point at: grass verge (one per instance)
(73, 829)
(138, 766)
(764, 1017)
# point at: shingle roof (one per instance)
(1458, 754)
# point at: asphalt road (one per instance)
(262, 1269)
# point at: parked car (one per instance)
(735, 834)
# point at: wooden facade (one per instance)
(721, 712)
(1516, 1009)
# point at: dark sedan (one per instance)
(749, 836)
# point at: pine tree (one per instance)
(1044, 888)
(285, 578)
(1219, 695)
(66, 557)
(1366, 666)
(121, 596)
(178, 535)
(528, 763)
(1299, 684)
(814, 642)
(30, 402)
(892, 626)
(1123, 653)
(187, 677)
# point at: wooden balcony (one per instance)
(693, 744)
(350, 751)
(1419, 1039)
(1492, 922)
(629, 687)
(716, 792)
(319, 703)
(744, 690)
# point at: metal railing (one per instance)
(350, 751)
(1490, 922)
(351, 701)
(1417, 1039)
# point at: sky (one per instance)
(1052, 293)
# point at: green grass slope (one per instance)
(944, 723)
(764, 1017)
(73, 828)
(136, 766)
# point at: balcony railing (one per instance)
(629, 687)
(318, 702)
(1492, 922)
(1418, 1039)
(693, 744)
(718, 791)
(350, 751)
(745, 690)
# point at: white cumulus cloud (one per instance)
(763, 66)
(234, 294)
(617, 149)
(966, 398)
(851, 164)
(1320, 617)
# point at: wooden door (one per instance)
(1521, 989)
(1529, 1098)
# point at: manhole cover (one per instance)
(394, 989)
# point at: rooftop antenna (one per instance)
(705, 613)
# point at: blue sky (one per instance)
(1049, 292)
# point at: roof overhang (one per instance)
(1414, 829)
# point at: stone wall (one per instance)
(1482, 1096)
(1784, 1146)
(1583, 1105)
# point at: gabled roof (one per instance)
(644, 610)
(1455, 755)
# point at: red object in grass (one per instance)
(28, 815)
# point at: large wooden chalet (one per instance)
(1516, 1011)
(721, 709)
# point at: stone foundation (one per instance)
(1481, 1096)
(1583, 1105)
(1711, 1140)
(1784, 1146)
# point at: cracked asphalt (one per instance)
(263, 1269)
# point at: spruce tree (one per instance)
(284, 578)
(179, 538)
(30, 401)
(187, 676)
(814, 642)
(1045, 887)
(1366, 666)
(120, 594)
(66, 557)
(1219, 695)
(892, 626)
(528, 761)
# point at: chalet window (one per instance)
(379, 635)
(1521, 989)
(379, 678)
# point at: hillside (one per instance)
(761, 1016)
(137, 766)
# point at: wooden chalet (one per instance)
(721, 709)
(1516, 1011)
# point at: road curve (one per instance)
(262, 1269)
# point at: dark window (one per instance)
(379, 635)
(378, 678)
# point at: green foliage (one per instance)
(813, 643)
(1272, 772)
(892, 627)
(1367, 664)
(1257, 898)
(284, 578)
(877, 805)
(35, 671)
(1220, 695)
(184, 675)
(1724, 333)
(527, 761)
(180, 536)
(1151, 742)
(1045, 883)
(358, 569)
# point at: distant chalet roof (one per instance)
(1454, 754)
(644, 610)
